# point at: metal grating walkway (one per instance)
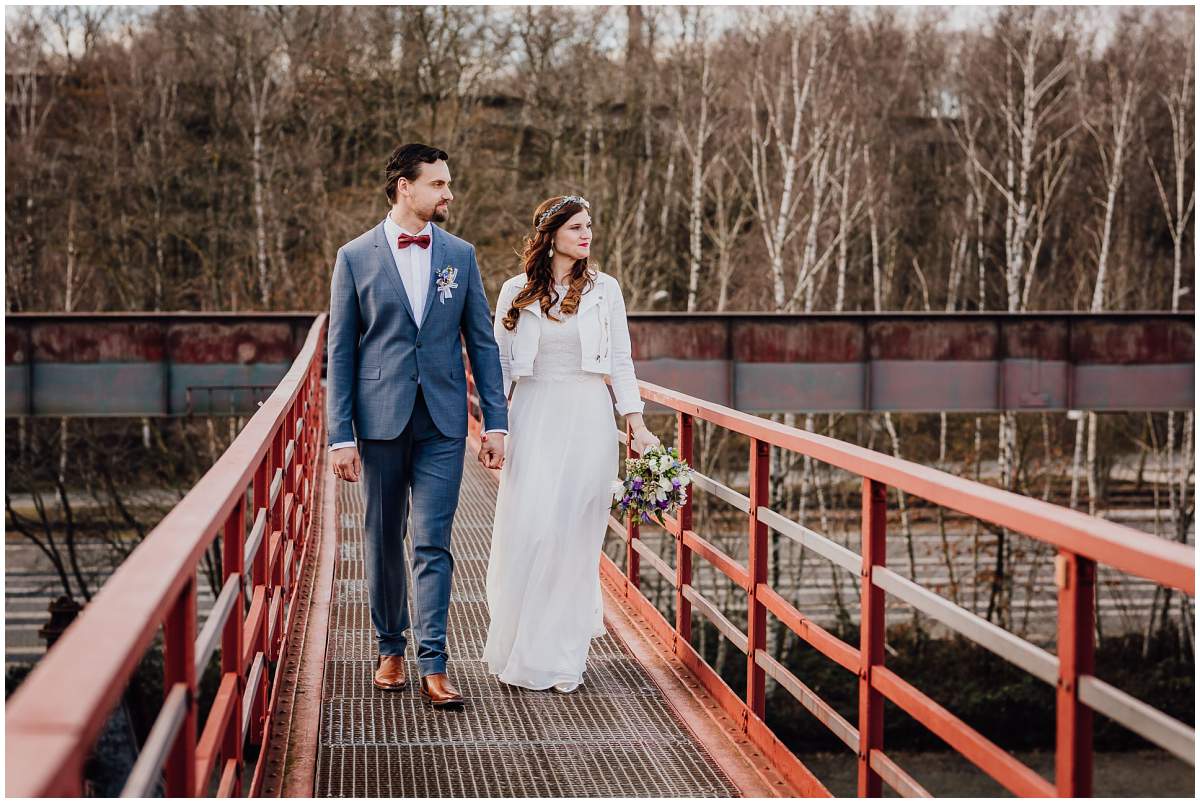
(615, 737)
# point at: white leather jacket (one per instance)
(603, 336)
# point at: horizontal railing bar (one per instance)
(287, 564)
(811, 539)
(289, 499)
(219, 717)
(1146, 721)
(1141, 554)
(158, 744)
(727, 565)
(254, 540)
(276, 484)
(288, 453)
(968, 742)
(255, 622)
(819, 638)
(720, 491)
(809, 699)
(273, 614)
(228, 778)
(252, 682)
(618, 528)
(701, 603)
(660, 565)
(895, 777)
(1014, 649)
(206, 642)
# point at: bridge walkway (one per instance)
(639, 726)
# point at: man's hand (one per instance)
(346, 463)
(491, 449)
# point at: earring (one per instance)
(552, 252)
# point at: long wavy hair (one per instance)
(539, 278)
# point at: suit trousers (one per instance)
(424, 462)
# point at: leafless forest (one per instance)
(753, 158)
(773, 159)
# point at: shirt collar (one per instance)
(393, 231)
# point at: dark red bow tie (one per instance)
(405, 240)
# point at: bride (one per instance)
(561, 328)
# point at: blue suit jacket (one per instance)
(376, 351)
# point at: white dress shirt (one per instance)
(414, 265)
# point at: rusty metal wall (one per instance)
(919, 362)
(143, 363)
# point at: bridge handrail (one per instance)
(57, 714)
(1132, 551)
(1082, 542)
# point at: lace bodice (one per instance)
(559, 351)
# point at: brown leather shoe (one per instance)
(440, 692)
(389, 673)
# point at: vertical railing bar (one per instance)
(683, 555)
(756, 612)
(179, 655)
(256, 684)
(632, 527)
(1076, 580)
(233, 554)
(870, 701)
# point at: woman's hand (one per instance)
(644, 439)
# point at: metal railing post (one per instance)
(233, 551)
(273, 632)
(179, 666)
(756, 613)
(633, 566)
(873, 622)
(683, 555)
(1076, 580)
(260, 578)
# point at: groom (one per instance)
(401, 295)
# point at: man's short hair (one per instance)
(405, 162)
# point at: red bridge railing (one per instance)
(268, 472)
(1082, 542)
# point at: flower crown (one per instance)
(566, 199)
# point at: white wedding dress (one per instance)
(543, 582)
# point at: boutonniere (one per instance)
(445, 282)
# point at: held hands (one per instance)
(491, 449)
(346, 463)
(644, 439)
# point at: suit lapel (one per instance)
(387, 265)
(436, 256)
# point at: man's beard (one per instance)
(440, 214)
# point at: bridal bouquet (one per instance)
(654, 483)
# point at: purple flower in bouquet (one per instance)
(675, 483)
(637, 485)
